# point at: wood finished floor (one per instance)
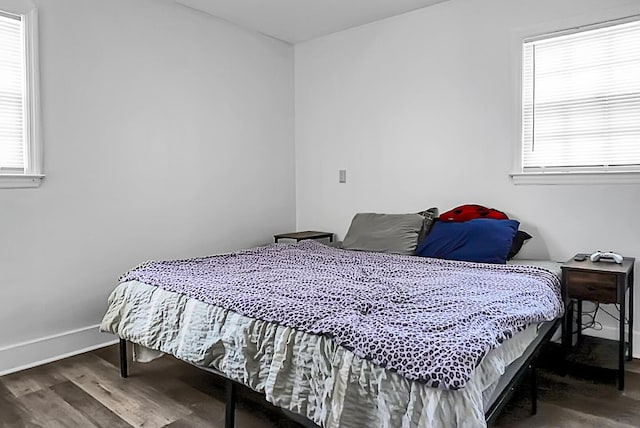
(86, 391)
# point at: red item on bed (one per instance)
(470, 212)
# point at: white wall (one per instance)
(419, 110)
(167, 134)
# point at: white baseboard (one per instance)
(44, 350)
(612, 333)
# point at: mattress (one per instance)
(551, 266)
(307, 374)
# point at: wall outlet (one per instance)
(342, 176)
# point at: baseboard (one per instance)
(44, 350)
(612, 333)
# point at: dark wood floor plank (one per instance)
(595, 399)
(193, 386)
(13, 413)
(180, 385)
(51, 411)
(201, 416)
(633, 366)
(571, 401)
(132, 399)
(41, 377)
(552, 416)
(632, 386)
(90, 408)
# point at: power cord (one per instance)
(617, 318)
(591, 318)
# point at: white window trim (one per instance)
(34, 149)
(576, 177)
(518, 36)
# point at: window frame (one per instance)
(33, 174)
(546, 30)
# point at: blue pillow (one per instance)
(481, 240)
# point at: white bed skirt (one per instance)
(304, 373)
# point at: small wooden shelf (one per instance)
(307, 234)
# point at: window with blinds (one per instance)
(12, 94)
(20, 132)
(581, 99)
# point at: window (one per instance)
(20, 145)
(581, 100)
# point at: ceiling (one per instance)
(296, 21)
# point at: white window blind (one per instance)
(12, 94)
(581, 100)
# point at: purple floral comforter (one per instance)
(430, 320)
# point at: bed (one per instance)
(309, 326)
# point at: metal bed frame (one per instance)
(505, 389)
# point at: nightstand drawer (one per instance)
(595, 286)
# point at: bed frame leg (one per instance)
(230, 410)
(534, 389)
(124, 370)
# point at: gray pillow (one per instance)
(385, 233)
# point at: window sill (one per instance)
(554, 178)
(20, 181)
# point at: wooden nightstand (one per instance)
(601, 282)
(308, 234)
